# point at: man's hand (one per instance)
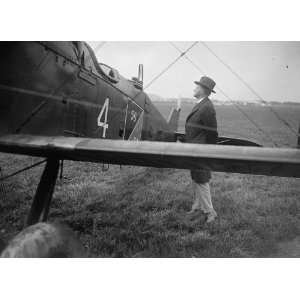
(180, 138)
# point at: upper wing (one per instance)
(236, 159)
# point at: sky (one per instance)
(272, 69)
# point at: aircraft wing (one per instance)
(236, 159)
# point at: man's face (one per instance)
(199, 92)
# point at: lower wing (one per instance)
(236, 159)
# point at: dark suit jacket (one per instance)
(201, 128)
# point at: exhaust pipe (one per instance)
(138, 81)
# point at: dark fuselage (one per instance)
(59, 88)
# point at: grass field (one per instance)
(141, 212)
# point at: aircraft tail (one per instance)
(174, 116)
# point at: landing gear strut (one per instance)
(43, 196)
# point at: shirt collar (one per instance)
(199, 100)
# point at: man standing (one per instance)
(201, 127)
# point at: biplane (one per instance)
(58, 102)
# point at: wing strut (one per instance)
(43, 195)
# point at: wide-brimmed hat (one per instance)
(207, 83)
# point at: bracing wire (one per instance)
(182, 54)
(22, 170)
(286, 123)
(229, 99)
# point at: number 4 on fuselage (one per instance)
(104, 111)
